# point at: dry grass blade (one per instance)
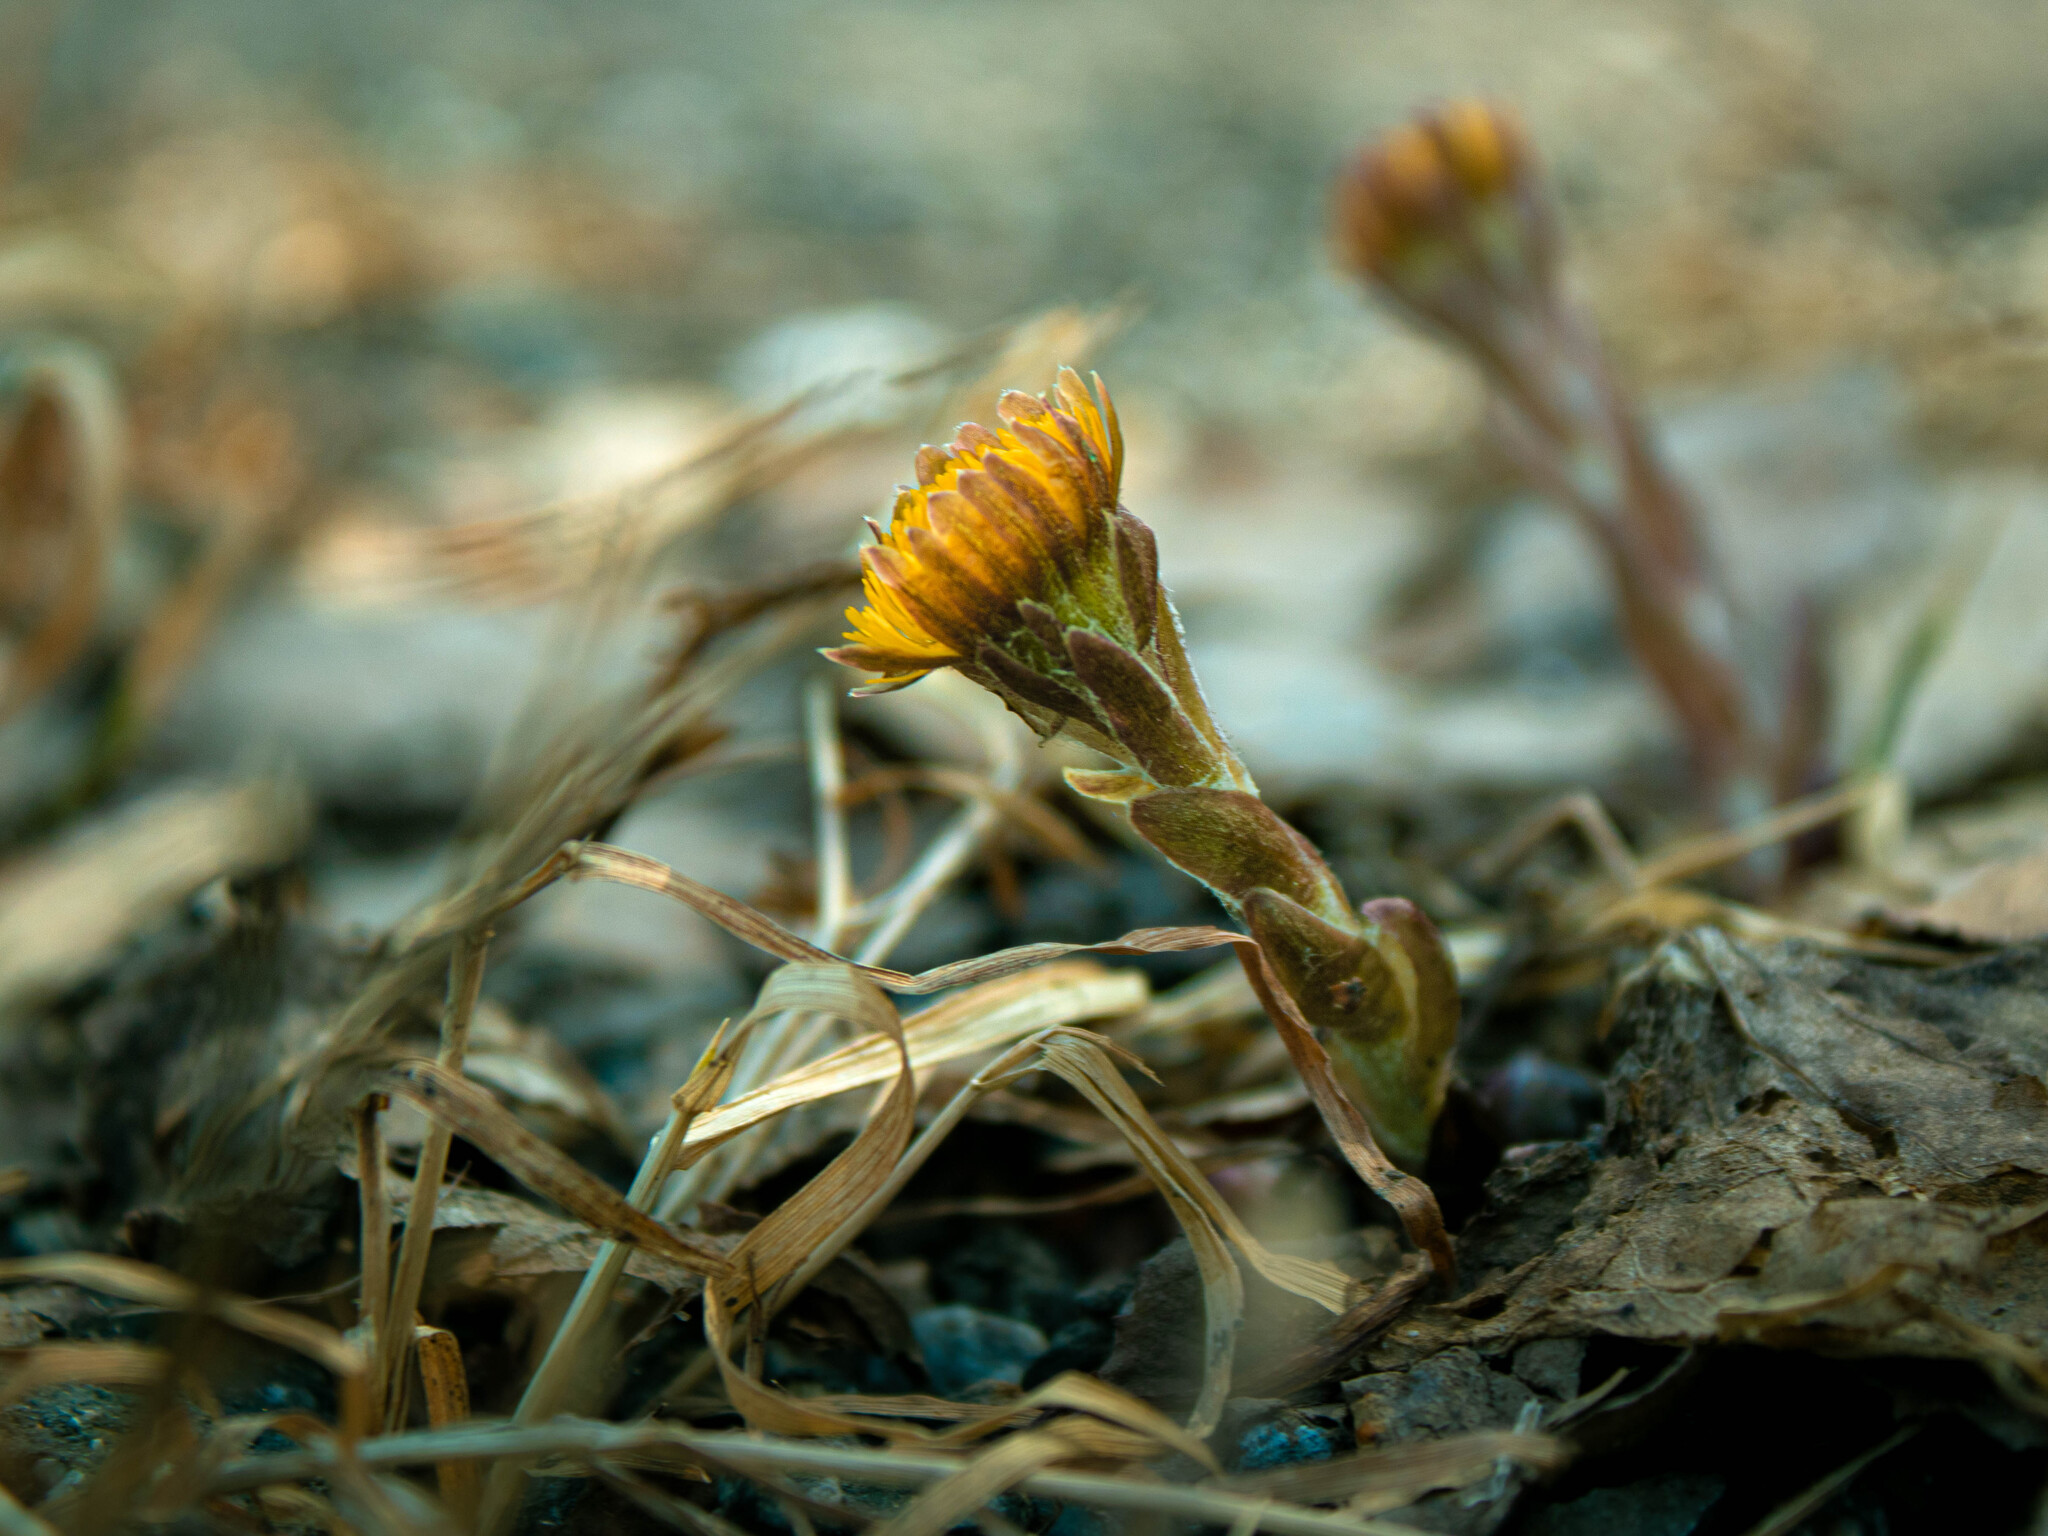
(473, 1114)
(1069, 1390)
(810, 1227)
(1411, 1199)
(447, 1391)
(817, 1223)
(757, 1455)
(806, 1225)
(101, 1364)
(393, 1326)
(154, 1287)
(1789, 1515)
(373, 1298)
(991, 1014)
(179, 1486)
(559, 1364)
(16, 1521)
(585, 773)
(1697, 855)
(1086, 1064)
(1089, 1394)
(605, 862)
(1115, 1192)
(1398, 1475)
(1091, 1071)
(996, 1469)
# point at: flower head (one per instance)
(996, 519)
(1449, 198)
(1011, 561)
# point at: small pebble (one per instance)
(1290, 1438)
(964, 1346)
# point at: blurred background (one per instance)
(386, 308)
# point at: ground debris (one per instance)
(1804, 1151)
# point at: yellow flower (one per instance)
(1018, 515)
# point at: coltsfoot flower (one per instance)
(1012, 562)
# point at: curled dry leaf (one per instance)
(808, 1229)
(982, 1017)
(1805, 1150)
(1410, 1196)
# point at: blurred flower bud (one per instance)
(1445, 209)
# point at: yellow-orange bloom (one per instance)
(1018, 515)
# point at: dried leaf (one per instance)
(511, 1240)
(1805, 1150)
(812, 1226)
(802, 1227)
(989, 1015)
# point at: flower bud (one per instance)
(1446, 207)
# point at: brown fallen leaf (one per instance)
(2000, 902)
(1805, 1150)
